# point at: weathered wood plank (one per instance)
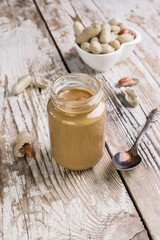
(123, 122)
(39, 199)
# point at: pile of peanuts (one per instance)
(102, 38)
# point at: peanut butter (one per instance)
(77, 140)
(75, 94)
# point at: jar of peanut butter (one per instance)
(77, 113)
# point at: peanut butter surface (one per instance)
(75, 94)
(77, 141)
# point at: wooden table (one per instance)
(41, 200)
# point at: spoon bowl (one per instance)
(126, 160)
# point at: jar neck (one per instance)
(76, 81)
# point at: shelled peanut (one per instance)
(102, 38)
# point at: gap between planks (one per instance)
(47, 27)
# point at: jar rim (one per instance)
(76, 74)
(76, 80)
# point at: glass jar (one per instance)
(77, 126)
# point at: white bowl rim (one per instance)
(135, 41)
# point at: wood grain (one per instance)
(39, 199)
(123, 123)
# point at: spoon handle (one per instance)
(152, 117)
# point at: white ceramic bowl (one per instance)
(103, 62)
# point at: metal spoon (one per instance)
(130, 159)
